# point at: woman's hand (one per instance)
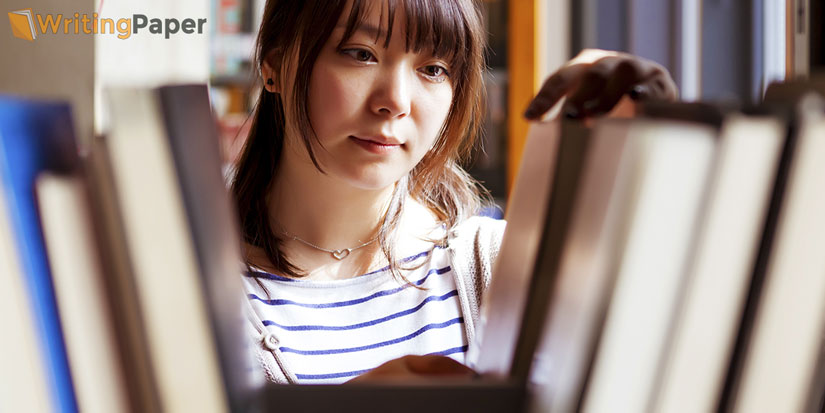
(596, 80)
(416, 367)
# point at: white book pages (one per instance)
(179, 333)
(23, 385)
(673, 169)
(118, 268)
(504, 301)
(786, 340)
(577, 305)
(706, 326)
(91, 346)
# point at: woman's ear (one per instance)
(270, 79)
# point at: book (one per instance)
(23, 385)
(674, 159)
(779, 369)
(505, 299)
(96, 370)
(577, 306)
(36, 137)
(782, 99)
(706, 325)
(22, 24)
(570, 161)
(119, 282)
(181, 240)
(193, 136)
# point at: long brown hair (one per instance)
(450, 29)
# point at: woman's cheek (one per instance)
(439, 109)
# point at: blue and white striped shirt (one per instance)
(332, 331)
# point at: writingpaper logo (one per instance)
(25, 24)
(22, 24)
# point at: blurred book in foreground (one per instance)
(23, 385)
(716, 284)
(96, 369)
(634, 286)
(181, 239)
(782, 363)
(37, 137)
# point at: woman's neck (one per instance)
(328, 213)
(323, 210)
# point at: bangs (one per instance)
(437, 27)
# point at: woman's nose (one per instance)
(391, 97)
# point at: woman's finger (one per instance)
(594, 84)
(595, 88)
(415, 367)
(657, 87)
(437, 365)
(553, 89)
(621, 78)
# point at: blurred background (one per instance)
(715, 49)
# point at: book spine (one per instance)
(21, 127)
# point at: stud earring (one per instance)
(270, 82)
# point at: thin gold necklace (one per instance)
(337, 254)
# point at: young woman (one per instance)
(359, 225)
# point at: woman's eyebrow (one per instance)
(369, 29)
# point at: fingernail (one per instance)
(571, 113)
(637, 92)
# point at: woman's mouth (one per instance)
(378, 146)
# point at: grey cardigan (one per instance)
(473, 247)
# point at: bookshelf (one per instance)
(233, 78)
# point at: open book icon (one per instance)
(22, 24)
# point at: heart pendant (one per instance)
(341, 254)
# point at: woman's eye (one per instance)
(360, 55)
(436, 72)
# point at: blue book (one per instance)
(36, 137)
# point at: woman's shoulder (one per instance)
(475, 242)
(474, 245)
(480, 230)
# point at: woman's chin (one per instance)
(372, 181)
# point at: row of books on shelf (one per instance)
(120, 286)
(671, 262)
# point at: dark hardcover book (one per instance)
(194, 141)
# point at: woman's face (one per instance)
(375, 110)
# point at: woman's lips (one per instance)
(376, 147)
